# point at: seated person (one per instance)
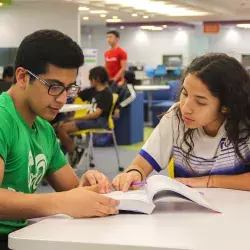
(100, 97)
(8, 78)
(125, 91)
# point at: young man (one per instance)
(8, 77)
(100, 97)
(45, 74)
(115, 57)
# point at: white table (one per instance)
(175, 225)
(74, 107)
(149, 89)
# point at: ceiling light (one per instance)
(103, 15)
(145, 17)
(83, 8)
(98, 12)
(122, 27)
(85, 18)
(164, 26)
(134, 14)
(243, 25)
(113, 20)
(115, 17)
(156, 7)
(150, 27)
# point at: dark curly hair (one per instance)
(227, 80)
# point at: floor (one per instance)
(106, 162)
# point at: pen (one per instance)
(138, 183)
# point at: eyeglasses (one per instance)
(56, 89)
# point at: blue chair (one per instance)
(129, 127)
(150, 72)
(161, 71)
(159, 108)
(177, 71)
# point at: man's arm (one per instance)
(63, 179)
(77, 203)
(121, 71)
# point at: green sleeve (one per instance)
(6, 136)
(58, 159)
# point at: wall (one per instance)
(232, 41)
(22, 19)
(141, 46)
(148, 47)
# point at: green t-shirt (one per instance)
(29, 154)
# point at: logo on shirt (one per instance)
(111, 59)
(36, 170)
(93, 106)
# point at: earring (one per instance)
(224, 109)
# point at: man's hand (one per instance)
(81, 203)
(94, 177)
(117, 113)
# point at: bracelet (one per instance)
(134, 169)
(208, 180)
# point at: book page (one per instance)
(157, 184)
(139, 195)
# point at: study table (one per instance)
(174, 224)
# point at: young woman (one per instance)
(206, 132)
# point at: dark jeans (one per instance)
(100, 122)
(4, 242)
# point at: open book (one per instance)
(158, 187)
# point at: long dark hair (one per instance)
(227, 80)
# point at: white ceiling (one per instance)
(216, 9)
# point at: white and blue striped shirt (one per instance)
(210, 155)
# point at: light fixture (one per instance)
(85, 18)
(157, 7)
(151, 27)
(164, 26)
(134, 14)
(243, 25)
(98, 12)
(115, 17)
(1, 4)
(103, 15)
(122, 27)
(145, 17)
(113, 20)
(83, 8)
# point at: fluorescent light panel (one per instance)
(159, 7)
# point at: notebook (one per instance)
(158, 187)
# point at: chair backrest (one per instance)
(161, 70)
(110, 119)
(82, 112)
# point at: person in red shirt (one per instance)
(115, 57)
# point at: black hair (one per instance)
(227, 80)
(99, 74)
(129, 76)
(44, 47)
(8, 72)
(114, 32)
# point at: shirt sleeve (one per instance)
(123, 55)
(6, 137)
(105, 101)
(58, 159)
(84, 94)
(157, 151)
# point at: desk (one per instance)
(73, 107)
(149, 89)
(175, 225)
